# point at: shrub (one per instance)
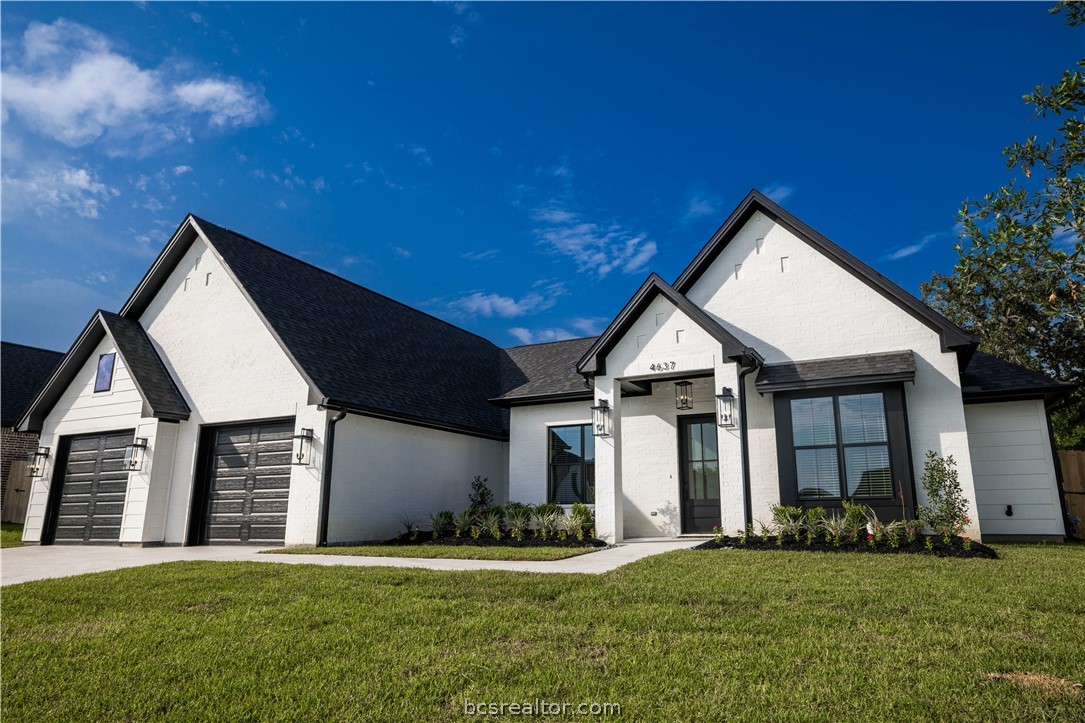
(855, 516)
(518, 518)
(550, 507)
(545, 520)
(481, 496)
(464, 521)
(491, 522)
(789, 521)
(947, 513)
(814, 516)
(442, 522)
(834, 526)
(569, 525)
(513, 508)
(583, 514)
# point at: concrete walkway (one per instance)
(22, 564)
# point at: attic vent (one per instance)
(738, 269)
(185, 287)
(207, 279)
(660, 318)
(785, 264)
(759, 244)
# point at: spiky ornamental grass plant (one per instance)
(517, 519)
(464, 521)
(442, 523)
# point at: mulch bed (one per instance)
(919, 547)
(465, 539)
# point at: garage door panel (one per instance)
(250, 484)
(93, 488)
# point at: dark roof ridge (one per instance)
(34, 348)
(555, 341)
(415, 309)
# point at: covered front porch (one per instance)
(669, 459)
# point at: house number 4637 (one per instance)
(663, 366)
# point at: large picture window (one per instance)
(571, 464)
(844, 444)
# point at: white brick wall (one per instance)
(230, 369)
(817, 309)
(386, 469)
(1012, 465)
(528, 457)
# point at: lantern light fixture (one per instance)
(37, 462)
(134, 454)
(303, 447)
(683, 395)
(600, 419)
(725, 408)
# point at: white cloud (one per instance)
(421, 154)
(590, 325)
(506, 307)
(181, 170)
(457, 36)
(401, 252)
(699, 205)
(778, 192)
(596, 248)
(912, 249)
(479, 255)
(319, 184)
(68, 83)
(539, 336)
(280, 204)
(58, 187)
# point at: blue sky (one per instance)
(517, 169)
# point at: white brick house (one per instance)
(241, 395)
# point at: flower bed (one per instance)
(427, 538)
(921, 545)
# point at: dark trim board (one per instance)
(56, 483)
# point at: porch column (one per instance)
(732, 492)
(608, 466)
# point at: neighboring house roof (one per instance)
(894, 366)
(23, 370)
(952, 336)
(988, 378)
(545, 372)
(161, 397)
(594, 359)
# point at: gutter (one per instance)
(745, 438)
(326, 477)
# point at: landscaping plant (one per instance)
(481, 496)
(947, 511)
(442, 523)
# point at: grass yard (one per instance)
(690, 635)
(444, 552)
(11, 534)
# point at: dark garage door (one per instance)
(92, 493)
(250, 484)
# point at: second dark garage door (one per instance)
(249, 485)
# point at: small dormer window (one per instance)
(103, 380)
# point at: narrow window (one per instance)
(103, 380)
(571, 464)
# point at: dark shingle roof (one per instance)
(363, 350)
(23, 370)
(160, 394)
(815, 373)
(988, 377)
(545, 370)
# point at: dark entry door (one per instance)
(249, 485)
(93, 488)
(700, 473)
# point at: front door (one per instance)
(699, 472)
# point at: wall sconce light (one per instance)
(134, 454)
(37, 462)
(683, 395)
(725, 408)
(303, 447)
(600, 419)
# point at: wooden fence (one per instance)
(1073, 484)
(18, 494)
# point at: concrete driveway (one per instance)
(22, 564)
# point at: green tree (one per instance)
(1019, 279)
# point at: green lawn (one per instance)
(11, 534)
(691, 635)
(445, 552)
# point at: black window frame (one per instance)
(585, 434)
(897, 440)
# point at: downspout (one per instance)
(745, 438)
(326, 478)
